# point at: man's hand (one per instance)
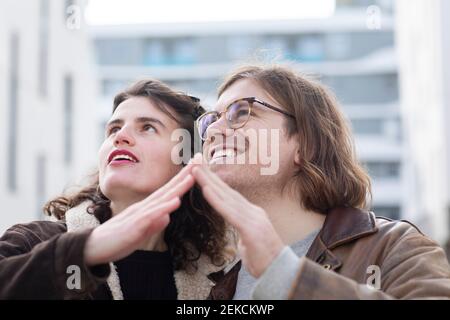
(259, 243)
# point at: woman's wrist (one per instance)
(90, 258)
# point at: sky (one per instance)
(104, 12)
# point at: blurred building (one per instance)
(47, 105)
(353, 52)
(423, 33)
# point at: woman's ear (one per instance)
(297, 157)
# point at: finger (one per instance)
(197, 159)
(217, 181)
(228, 195)
(147, 216)
(206, 177)
(148, 203)
(158, 225)
(229, 213)
(180, 189)
(173, 182)
(204, 180)
(176, 179)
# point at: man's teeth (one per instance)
(123, 157)
(228, 153)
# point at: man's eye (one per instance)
(243, 112)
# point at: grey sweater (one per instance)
(275, 282)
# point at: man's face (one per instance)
(259, 156)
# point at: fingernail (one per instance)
(198, 155)
(198, 158)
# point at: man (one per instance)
(303, 231)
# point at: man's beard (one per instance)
(248, 181)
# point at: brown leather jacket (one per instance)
(349, 251)
(34, 259)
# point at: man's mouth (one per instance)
(224, 153)
(221, 153)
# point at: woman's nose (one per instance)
(124, 137)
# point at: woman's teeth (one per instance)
(123, 157)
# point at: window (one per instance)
(339, 45)
(155, 53)
(276, 47)
(310, 48)
(111, 87)
(240, 47)
(183, 52)
(383, 170)
(364, 89)
(13, 113)
(212, 49)
(122, 51)
(68, 118)
(44, 23)
(367, 126)
(392, 212)
(386, 5)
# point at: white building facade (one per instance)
(423, 37)
(47, 105)
(356, 60)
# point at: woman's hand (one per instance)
(259, 243)
(124, 233)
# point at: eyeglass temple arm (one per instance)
(273, 108)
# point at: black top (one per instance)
(147, 275)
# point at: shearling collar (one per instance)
(195, 286)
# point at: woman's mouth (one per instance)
(120, 162)
(120, 157)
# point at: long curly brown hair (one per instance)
(194, 228)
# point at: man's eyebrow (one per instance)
(220, 108)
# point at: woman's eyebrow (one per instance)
(113, 122)
(150, 119)
(138, 120)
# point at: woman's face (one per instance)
(135, 158)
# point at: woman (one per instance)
(115, 239)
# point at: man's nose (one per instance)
(220, 127)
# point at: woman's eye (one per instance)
(149, 128)
(113, 130)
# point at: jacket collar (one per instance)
(189, 285)
(342, 225)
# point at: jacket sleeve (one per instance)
(50, 269)
(415, 268)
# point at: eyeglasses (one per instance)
(237, 115)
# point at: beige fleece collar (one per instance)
(194, 286)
